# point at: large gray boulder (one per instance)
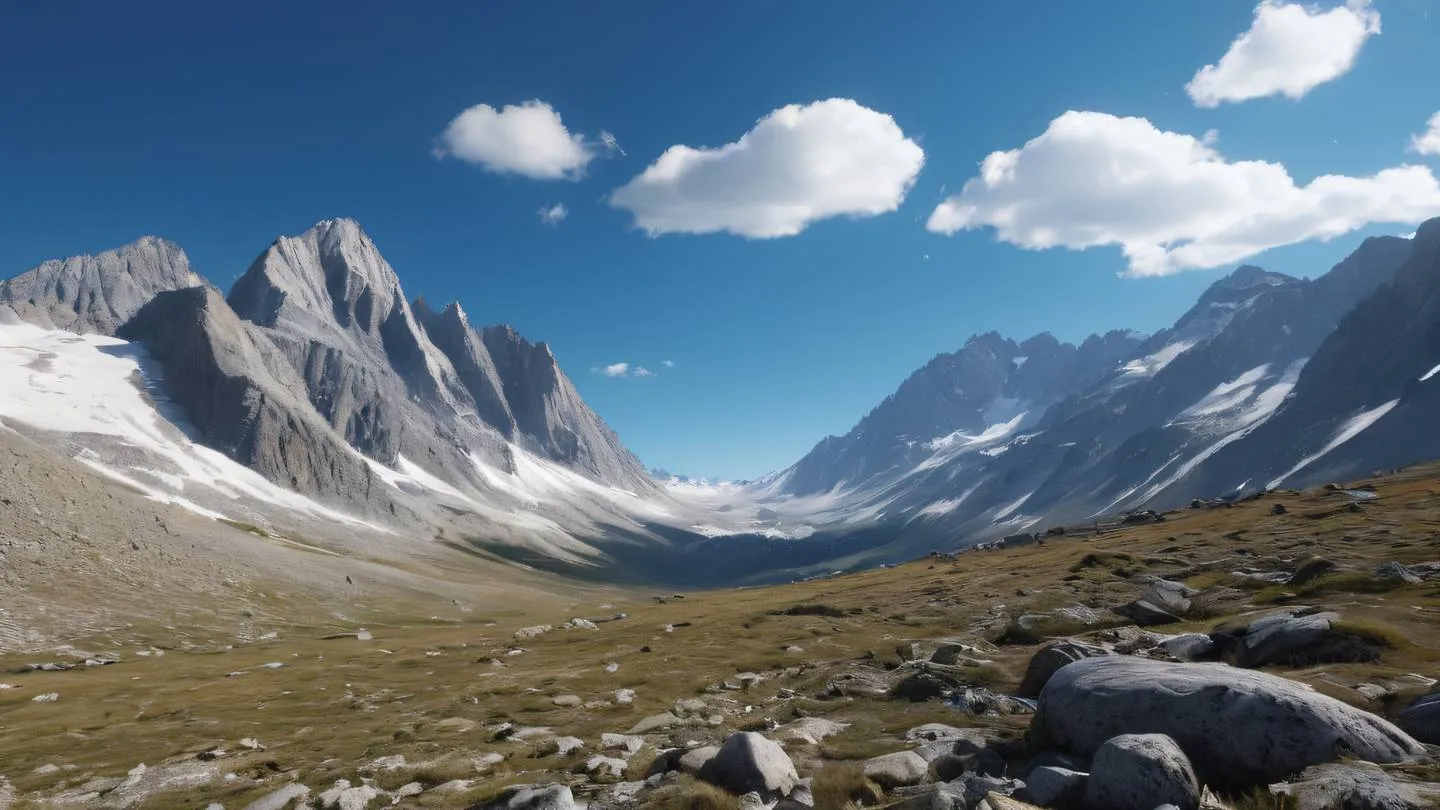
(1050, 658)
(749, 762)
(1422, 718)
(1049, 786)
(1356, 786)
(1139, 772)
(1238, 727)
(531, 797)
(900, 769)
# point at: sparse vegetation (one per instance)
(842, 785)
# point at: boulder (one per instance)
(923, 686)
(692, 761)
(655, 722)
(1145, 613)
(1050, 658)
(1422, 718)
(1049, 786)
(750, 762)
(900, 769)
(1140, 771)
(1396, 573)
(629, 743)
(1188, 647)
(603, 767)
(1172, 597)
(1238, 727)
(1356, 786)
(1299, 638)
(293, 794)
(810, 730)
(951, 766)
(531, 797)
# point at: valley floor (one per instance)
(253, 677)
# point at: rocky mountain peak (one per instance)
(99, 293)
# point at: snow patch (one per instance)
(1431, 373)
(87, 385)
(1352, 428)
(1151, 364)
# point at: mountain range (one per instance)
(317, 397)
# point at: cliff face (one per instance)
(97, 294)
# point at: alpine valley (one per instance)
(317, 400)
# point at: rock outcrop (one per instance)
(98, 293)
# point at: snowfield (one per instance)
(106, 389)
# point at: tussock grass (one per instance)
(843, 785)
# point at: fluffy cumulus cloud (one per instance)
(1289, 50)
(799, 164)
(1428, 142)
(553, 214)
(1169, 200)
(641, 371)
(526, 139)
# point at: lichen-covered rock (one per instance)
(900, 769)
(1357, 786)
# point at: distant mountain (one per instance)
(980, 443)
(318, 373)
(96, 294)
(990, 384)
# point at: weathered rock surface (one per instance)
(1298, 638)
(1049, 786)
(751, 762)
(98, 293)
(532, 797)
(1422, 718)
(1238, 727)
(1139, 772)
(1049, 659)
(900, 769)
(1357, 786)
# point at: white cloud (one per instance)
(526, 139)
(608, 141)
(799, 164)
(1289, 50)
(667, 363)
(1428, 142)
(553, 214)
(1169, 200)
(623, 370)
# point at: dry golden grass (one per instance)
(338, 704)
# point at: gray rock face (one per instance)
(1139, 772)
(1357, 786)
(532, 797)
(1238, 727)
(1422, 718)
(98, 293)
(1049, 659)
(1050, 786)
(241, 395)
(749, 762)
(1299, 638)
(900, 769)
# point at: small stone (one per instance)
(48, 697)
(566, 701)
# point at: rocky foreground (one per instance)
(1279, 653)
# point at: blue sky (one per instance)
(223, 127)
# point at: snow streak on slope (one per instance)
(1431, 373)
(1150, 365)
(1232, 410)
(1352, 428)
(89, 386)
